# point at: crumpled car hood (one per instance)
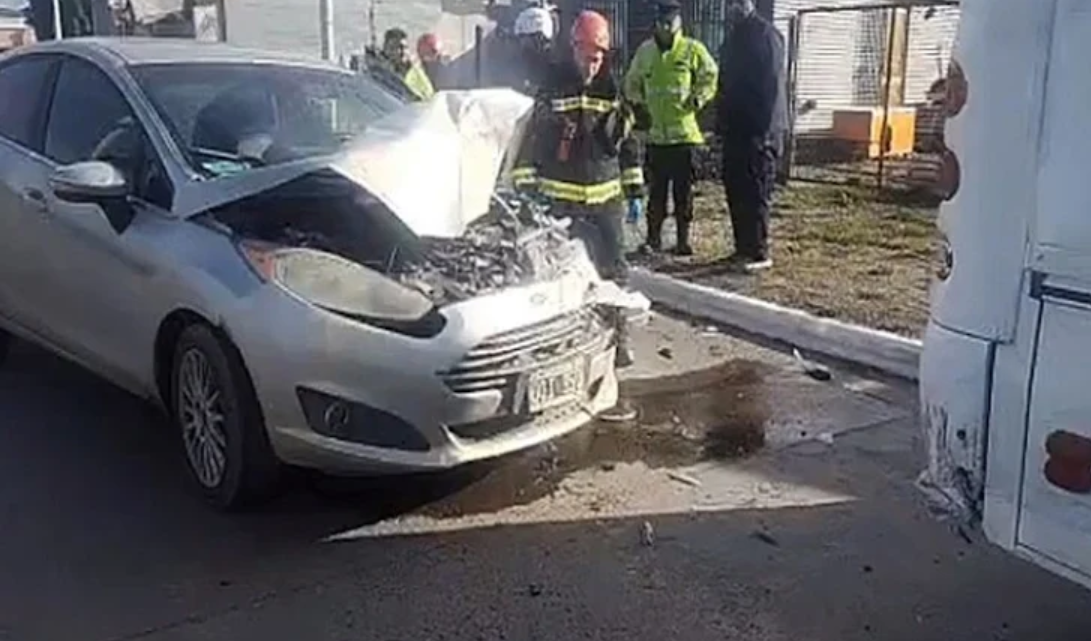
(434, 164)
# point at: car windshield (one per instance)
(230, 118)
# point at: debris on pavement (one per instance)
(647, 534)
(812, 369)
(684, 479)
(666, 352)
(766, 538)
(534, 590)
(619, 414)
(826, 437)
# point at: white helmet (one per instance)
(534, 20)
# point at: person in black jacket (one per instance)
(751, 120)
(580, 155)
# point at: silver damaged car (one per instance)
(297, 266)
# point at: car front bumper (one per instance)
(464, 393)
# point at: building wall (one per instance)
(292, 25)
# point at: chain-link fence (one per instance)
(866, 86)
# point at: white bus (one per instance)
(1006, 369)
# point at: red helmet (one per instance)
(591, 30)
(428, 45)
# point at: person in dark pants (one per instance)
(751, 119)
(671, 79)
(580, 155)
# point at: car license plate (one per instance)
(554, 386)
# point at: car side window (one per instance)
(87, 108)
(23, 85)
(90, 119)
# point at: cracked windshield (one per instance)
(624, 319)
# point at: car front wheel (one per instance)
(226, 447)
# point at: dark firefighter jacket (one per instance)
(752, 93)
(579, 148)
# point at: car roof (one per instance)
(133, 51)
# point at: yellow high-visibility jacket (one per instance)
(417, 81)
(673, 85)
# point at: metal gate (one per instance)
(862, 83)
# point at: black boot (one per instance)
(682, 246)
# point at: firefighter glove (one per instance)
(636, 210)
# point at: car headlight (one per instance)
(347, 288)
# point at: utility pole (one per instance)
(58, 22)
(221, 20)
(325, 25)
(371, 23)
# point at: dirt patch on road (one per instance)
(718, 414)
(842, 252)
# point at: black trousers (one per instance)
(670, 171)
(749, 174)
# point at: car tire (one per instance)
(225, 445)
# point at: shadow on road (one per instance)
(105, 447)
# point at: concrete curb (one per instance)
(882, 350)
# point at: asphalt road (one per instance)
(751, 502)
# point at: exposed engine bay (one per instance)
(517, 242)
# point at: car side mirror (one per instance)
(93, 181)
(99, 183)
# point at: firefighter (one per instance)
(672, 77)
(533, 31)
(432, 60)
(396, 56)
(581, 156)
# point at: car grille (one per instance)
(497, 362)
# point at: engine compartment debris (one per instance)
(517, 242)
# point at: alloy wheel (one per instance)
(202, 419)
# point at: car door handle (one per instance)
(35, 198)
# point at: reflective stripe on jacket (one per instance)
(579, 146)
(673, 85)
